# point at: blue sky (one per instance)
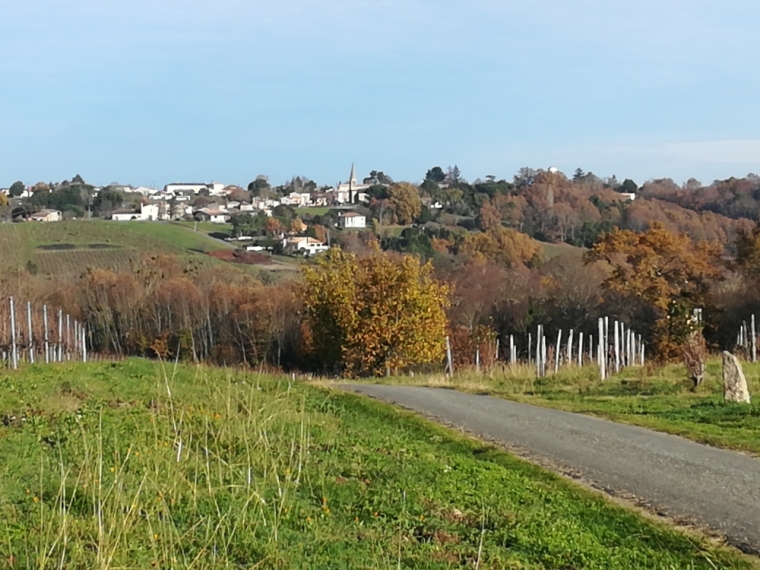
(153, 91)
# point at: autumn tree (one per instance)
(748, 251)
(667, 271)
(367, 315)
(406, 203)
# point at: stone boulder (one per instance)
(734, 382)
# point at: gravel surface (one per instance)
(682, 480)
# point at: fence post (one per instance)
(754, 341)
(14, 348)
(617, 347)
(580, 349)
(31, 333)
(84, 344)
(60, 335)
(47, 338)
(601, 357)
(557, 351)
(449, 363)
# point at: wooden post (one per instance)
(570, 348)
(14, 348)
(538, 352)
(511, 349)
(60, 335)
(543, 356)
(30, 339)
(530, 343)
(47, 338)
(498, 343)
(591, 348)
(84, 344)
(477, 360)
(580, 349)
(68, 337)
(557, 351)
(601, 357)
(617, 347)
(449, 362)
(753, 340)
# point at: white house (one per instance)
(212, 215)
(124, 215)
(214, 188)
(628, 196)
(46, 216)
(150, 212)
(305, 245)
(352, 220)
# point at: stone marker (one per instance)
(734, 382)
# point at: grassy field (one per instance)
(206, 228)
(659, 398)
(130, 465)
(56, 248)
(321, 211)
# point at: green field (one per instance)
(659, 398)
(137, 465)
(56, 248)
(320, 211)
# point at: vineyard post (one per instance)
(601, 357)
(60, 336)
(538, 352)
(84, 344)
(617, 347)
(47, 338)
(511, 349)
(14, 354)
(477, 360)
(754, 341)
(543, 355)
(29, 328)
(68, 337)
(557, 351)
(570, 348)
(530, 342)
(449, 360)
(580, 349)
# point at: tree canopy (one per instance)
(369, 314)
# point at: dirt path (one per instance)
(675, 477)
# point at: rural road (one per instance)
(683, 480)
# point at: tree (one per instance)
(667, 271)
(435, 174)
(372, 314)
(489, 218)
(16, 189)
(629, 186)
(405, 200)
(3, 200)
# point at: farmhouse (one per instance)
(46, 216)
(214, 188)
(304, 245)
(352, 220)
(125, 215)
(212, 215)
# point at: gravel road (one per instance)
(683, 480)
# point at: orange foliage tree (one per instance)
(371, 314)
(668, 271)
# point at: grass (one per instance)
(60, 247)
(131, 465)
(316, 211)
(659, 398)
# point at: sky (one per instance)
(148, 92)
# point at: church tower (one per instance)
(351, 185)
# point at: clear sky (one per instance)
(147, 92)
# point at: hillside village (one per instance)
(444, 215)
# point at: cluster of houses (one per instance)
(179, 200)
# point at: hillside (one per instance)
(59, 248)
(136, 464)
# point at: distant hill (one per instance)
(71, 246)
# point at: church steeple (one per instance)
(351, 184)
